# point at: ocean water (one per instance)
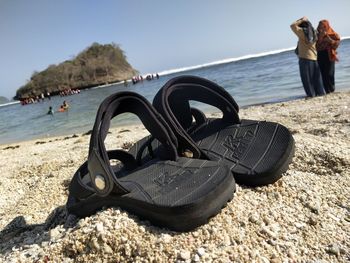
(254, 79)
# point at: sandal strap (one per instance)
(172, 101)
(81, 190)
(198, 116)
(122, 102)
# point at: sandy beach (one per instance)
(304, 217)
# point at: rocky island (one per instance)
(96, 65)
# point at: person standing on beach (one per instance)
(327, 43)
(306, 51)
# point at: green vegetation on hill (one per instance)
(96, 65)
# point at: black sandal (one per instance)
(257, 152)
(171, 191)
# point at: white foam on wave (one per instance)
(9, 103)
(227, 60)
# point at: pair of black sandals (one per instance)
(186, 170)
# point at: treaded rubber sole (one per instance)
(179, 218)
(275, 175)
(257, 152)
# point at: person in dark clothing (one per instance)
(50, 112)
(327, 43)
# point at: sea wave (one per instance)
(9, 103)
(229, 60)
(224, 61)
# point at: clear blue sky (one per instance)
(155, 35)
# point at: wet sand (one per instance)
(304, 217)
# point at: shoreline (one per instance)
(303, 217)
(208, 112)
(67, 136)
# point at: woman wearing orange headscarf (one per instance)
(327, 43)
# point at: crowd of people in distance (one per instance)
(35, 99)
(42, 96)
(139, 78)
(68, 92)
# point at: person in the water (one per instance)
(50, 112)
(65, 105)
